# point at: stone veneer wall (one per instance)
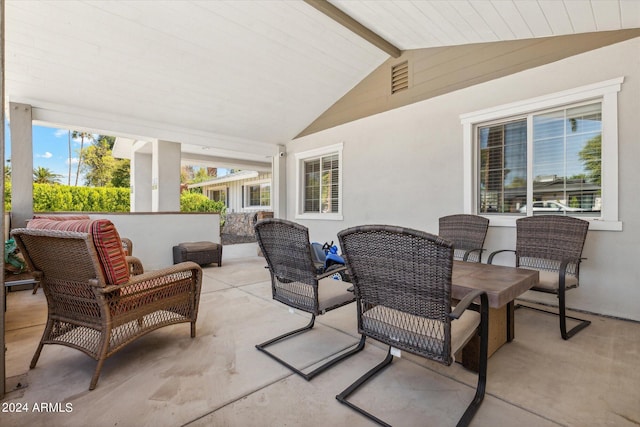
(241, 223)
(238, 224)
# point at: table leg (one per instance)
(498, 335)
(510, 321)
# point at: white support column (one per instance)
(141, 169)
(279, 183)
(3, 372)
(21, 164)
(165, 177)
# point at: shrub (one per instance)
(195, 202)
(64, 198)
(7, 195)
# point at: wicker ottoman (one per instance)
(202, 253)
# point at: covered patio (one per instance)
(219, 378)
(278, 85)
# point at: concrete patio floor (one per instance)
(220, 379)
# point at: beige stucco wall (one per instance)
(405, 167)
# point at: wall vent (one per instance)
(400, 77)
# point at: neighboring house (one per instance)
(243, 191)
(451, 152)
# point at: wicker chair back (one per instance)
(467, 233)
(415, 291)
(285, 246)
(545, 241)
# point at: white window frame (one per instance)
(219, 188)
(247, 199)
(605, 92)
(317, 153)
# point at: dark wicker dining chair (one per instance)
(552, 244)
(294, 282)
(406, 303)
(467, 233)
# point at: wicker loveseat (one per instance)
(95, 303)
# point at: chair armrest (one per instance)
(490, 260)
(135, 265)
(470, 251)
(483, 327)
(466, 302)
(562, 270)
(331, 272)
(157, 278)
(128, 244)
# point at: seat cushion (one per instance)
(198, 246)
(550, 281)
(418, 333)
(60, 217)
(333, 293)
(76, 224)
(106, 241)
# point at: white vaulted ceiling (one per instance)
(417, 24)
(237, 73)
(241, 76)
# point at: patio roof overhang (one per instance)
(193, 154)
(242, 77)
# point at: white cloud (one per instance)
(61, 133)
(74, 161)
(46, 155)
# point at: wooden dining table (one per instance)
(503, 285)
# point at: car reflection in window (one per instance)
(550, 206)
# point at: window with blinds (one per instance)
(563, 175)
(258, 195)
(217, 195)
(321, 184)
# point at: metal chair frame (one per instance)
(364, 247)
(552, 243)
(294, 282)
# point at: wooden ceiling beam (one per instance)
(351, 24)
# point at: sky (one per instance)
(51, 150)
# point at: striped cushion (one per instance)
(109, 248)
(60, 217)
(78, 225)
(105, 238)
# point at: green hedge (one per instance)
(64, 198)
(7, 195)
(54, 198)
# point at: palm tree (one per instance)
(82, 135)
(69, 146)
(45, 176)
